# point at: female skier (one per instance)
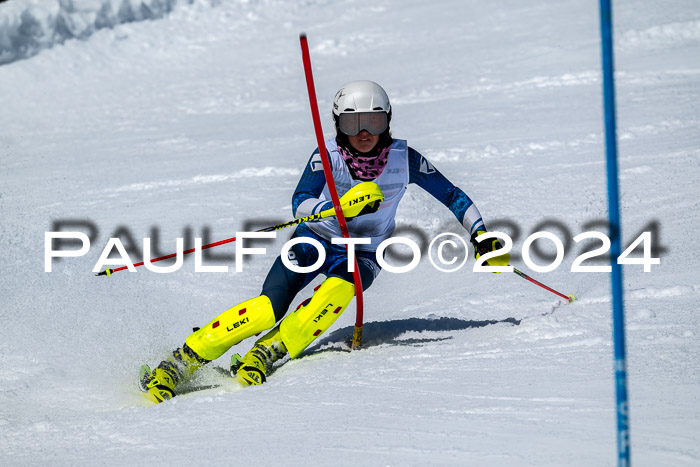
(362, 151)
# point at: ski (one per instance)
(187, 387)
(235, 364)
(142, 382)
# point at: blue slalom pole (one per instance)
(623, 437)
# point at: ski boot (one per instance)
(159, 384)
(257, 363)
(206, 344)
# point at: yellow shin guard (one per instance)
(232, 326)
(309, 321)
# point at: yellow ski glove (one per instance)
(488, 245)
(363, 198)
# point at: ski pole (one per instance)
(569, 299)
(314, 217)
(308, 72)
(109, 272)
(353, 204)
(364, 195)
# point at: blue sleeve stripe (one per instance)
(319, 207)
(478, 221)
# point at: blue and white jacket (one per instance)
(405, 165)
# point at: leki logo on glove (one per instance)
(358, 200)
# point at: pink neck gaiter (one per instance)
(365, 168)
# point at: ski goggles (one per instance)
(353, 123)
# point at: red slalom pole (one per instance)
(569, 299)
(357, 334)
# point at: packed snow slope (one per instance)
(197, 123)
(29, 26)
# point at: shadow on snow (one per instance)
(387, 332)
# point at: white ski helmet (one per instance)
(361, 97)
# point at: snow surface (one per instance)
(200, 119)
(27, 27)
